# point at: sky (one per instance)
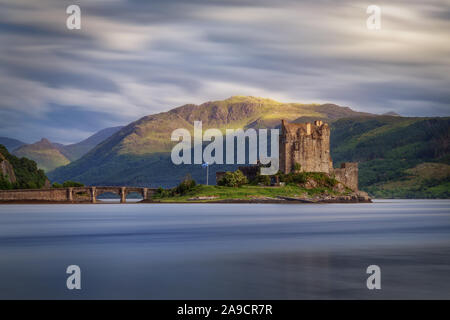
(133, 58)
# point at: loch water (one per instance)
(226, 251)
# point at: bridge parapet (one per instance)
(73, 194)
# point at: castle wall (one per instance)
(347, 174)
(306, 144)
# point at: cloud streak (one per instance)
(133, 58)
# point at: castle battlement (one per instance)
(308, 145)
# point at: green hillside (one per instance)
(396, 154)
(46, 155)
(426, 180)
(27, 174)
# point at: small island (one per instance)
(306, 175)
(302, 187)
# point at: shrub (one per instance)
(160, 190)
(297, 167)
(233, 179)
(72, 184)
(323, 179)
(295, 178)
(263, 179)
(281, 176)
(185, 186)
(57, 185)
(162, 193)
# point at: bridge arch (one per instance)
(134, 196)
(72, 194)
(123, 192)
(103, 190)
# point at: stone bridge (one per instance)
(75, 194)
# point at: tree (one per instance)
(233, 179)
(186, 185)
(72, 184)
(27, 174)
(4, 183)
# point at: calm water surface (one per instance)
(226, 251)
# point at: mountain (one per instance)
(398, 156)
(77, 150)
(20, 173)
(50, 155)
(46, 155)
(139, 154)
(11, 144)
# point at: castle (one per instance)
(306, 147)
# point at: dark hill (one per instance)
(27, 174)
(11, 144)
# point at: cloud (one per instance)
(133, 58)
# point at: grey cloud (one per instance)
(136, 57)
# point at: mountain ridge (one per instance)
(385, 145)
(44, 153)
(150, 133)
(10, 143)
(50, 155)
(138, 150)
(77, 150)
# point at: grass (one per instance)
(247, 192)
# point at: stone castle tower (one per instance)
(308, 145)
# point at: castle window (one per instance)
(296, 146)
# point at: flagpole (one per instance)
(206, 164)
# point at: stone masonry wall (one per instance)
(79, 194)
(307, 144)
(34, 195)
(347, 174)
